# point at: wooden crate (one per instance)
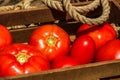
(107, 70)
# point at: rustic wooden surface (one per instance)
(45, 14)
(109, 70)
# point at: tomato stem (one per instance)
(22, 57)
(51, 41)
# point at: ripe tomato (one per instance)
(63, 62)
(110, 51)
(83, 49)
(51, 40)
(5, 37)
(21, 59)
(101, 34)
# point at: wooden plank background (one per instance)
(45, 14)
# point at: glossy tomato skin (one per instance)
(83, 49)
(63, 62)
(101, 34)
(51, 40)
(21, 59)
(110, 51)
(5, 37)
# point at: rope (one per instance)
(74, 11)
(91, 21)
(24, 4)
(117, 29)
(81, 9)
(6, 8)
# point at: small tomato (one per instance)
(5, 37)
(110, 51)
(63, 62)
(83, 49)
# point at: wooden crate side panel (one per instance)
(19, 17)
(22, 35)
(95, 71)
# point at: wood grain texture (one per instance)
(93, 71)
(45, 14)
(108, 70)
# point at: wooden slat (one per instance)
(94, 71)
(22, 35)
(36, 15)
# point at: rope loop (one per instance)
(58, 5)
(75, 12)
(91, 21)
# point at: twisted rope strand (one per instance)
(23, 4)
(8, 8)
(27, 4)
(91, 21)
(72, 10)
(53, 4)
(87, 8)
(81, 9)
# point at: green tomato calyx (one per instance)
(22, 57)
(51, 41)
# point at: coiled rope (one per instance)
(91, 21)
(74, 11)
(81, 9)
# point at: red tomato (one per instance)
(83, 49)
(5, 37)
(63, 62)
(51, 40)
(110, 51)
(21, 59)
(101, 34)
